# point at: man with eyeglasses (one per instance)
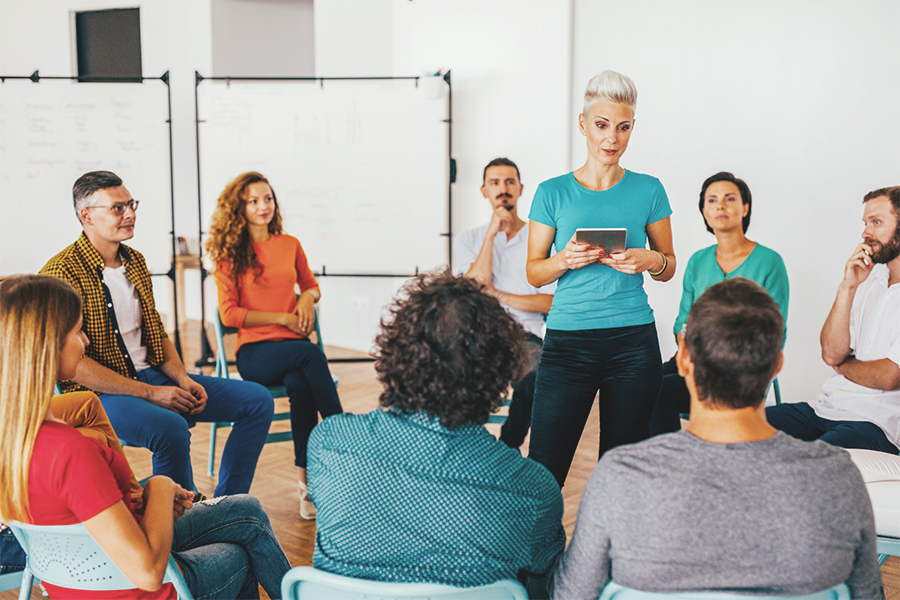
(131, 363)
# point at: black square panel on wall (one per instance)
(108, 44)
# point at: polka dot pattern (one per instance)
(401, 498)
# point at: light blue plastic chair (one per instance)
(614, 591)
(67, 556)
(307, 583)
(276, 391)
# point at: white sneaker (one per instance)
(307, 509)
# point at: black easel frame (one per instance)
(36, 77)
(207, 358)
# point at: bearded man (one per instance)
(859, 406)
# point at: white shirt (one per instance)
(128, 314)
(874, 334)
(507, 269)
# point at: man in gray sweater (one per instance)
(730, 503)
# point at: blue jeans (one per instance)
(12, 556)
(166, 433)
(623, 364)
(801, 421)
(226, 546)
(514, 430)
(302, 369)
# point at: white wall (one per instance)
(353, 38)
(510, 86)
(510, 96)
(800, 99)
(262, 39)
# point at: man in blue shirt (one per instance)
(494, 255)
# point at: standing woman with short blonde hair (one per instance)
(601, 336)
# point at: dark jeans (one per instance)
(802, 422)
(517, 424)
(622, 364)
(302, 369)
(12, 557)
(673, 400)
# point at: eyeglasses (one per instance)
(119, 209)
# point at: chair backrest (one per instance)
(307, 583)
(614, 591)
(222, 331)
(67, 556)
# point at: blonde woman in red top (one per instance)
(258, 268)
(51, 474)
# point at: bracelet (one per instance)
(664, 267)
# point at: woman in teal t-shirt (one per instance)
(725, 204)
(601, 336)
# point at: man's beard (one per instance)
(886, 252)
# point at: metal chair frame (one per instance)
(222, 364)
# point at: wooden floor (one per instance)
(275, 483)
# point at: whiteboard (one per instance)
(360, 168)
(54, 131)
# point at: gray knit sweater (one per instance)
(676, 513)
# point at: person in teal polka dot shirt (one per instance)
(419, 491)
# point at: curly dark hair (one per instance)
(448, 349)
(229, 239)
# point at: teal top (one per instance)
(762, 265)
(598, 296)
(402, 498)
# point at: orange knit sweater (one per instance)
(284, 265)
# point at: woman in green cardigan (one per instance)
(725, 204)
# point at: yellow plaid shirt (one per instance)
(82, 266)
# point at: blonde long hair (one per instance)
(229, 239)
(36, 314)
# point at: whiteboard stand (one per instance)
(250, 112)
(50, 172)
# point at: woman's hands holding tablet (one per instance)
(576, 255)
(634, 260)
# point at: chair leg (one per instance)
(177, 579)
(27, 582)
(212, 450)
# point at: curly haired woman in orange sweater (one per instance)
(257, 269)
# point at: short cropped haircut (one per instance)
(448, 349)
(741, 186)
(734, 333)
(501, 162)
(891, 193)
(610, 86)
(87, 184)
